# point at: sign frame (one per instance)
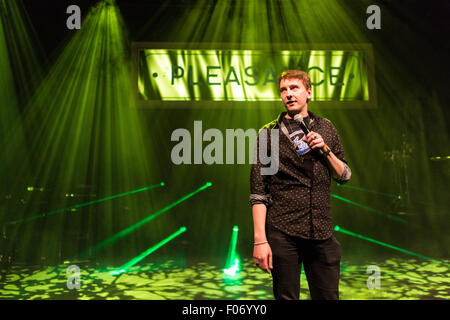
(141, 103)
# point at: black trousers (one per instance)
(321, 262)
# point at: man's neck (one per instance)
(304, 114)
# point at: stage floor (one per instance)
(399, 279)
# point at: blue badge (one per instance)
(300, 146)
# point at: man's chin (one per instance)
(293, 109)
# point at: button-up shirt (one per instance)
(296, 203)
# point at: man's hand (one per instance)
(314, 140)
(262, 256)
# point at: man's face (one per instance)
(294, 96)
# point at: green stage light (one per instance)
(231, 271)
(440, 158)
(147, 252)
(232, 264)
(389, 216)
(101, 128)
(367, 190)
(46, 214)
(84, 130)
(139, 224)
(348, 232)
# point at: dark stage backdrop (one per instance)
(79, 134)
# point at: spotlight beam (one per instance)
(389, 216)
(147, 252)
(46, 214)
(390, 195)
(139, 224)
(348, 232)
(231, 259)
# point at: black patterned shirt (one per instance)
(298, 204)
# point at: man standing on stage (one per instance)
(291, 209)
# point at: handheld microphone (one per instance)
(299, 119)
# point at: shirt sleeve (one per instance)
(338, 151)
(258, 182)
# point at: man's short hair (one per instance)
(296, 74)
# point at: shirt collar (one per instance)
(312, 118)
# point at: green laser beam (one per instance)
(46, 214)
(390, 195)
(232, 248)
(147, 252)
(440, 158)
(339, 229)
(139, 224)
(389, 216)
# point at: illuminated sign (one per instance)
(341, 75)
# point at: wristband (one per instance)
(261, 243)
